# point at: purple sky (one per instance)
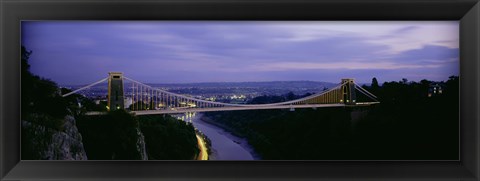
(81, 52)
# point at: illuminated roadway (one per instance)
(175, 111)
(186, 110)
(203, 155)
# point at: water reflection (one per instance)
(225, 146)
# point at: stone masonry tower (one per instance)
(115, 91)
(348, 92)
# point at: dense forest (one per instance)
(115, 136)
(110, 137)
(168, 138)
(407, 124)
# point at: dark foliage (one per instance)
(168, 138)
(114, 137)
(110, 137)
(410, 125)
(374, 83)
(39, 95)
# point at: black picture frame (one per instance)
(13, 11)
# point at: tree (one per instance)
(39, 95)
(290, 96)
(25, 56)
(374, 83)
(27, 81)
(425, 82)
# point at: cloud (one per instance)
(220, 50)
(284, 66)
(429, 54)
(414, 35)
(406, 29)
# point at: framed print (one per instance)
(239, 90)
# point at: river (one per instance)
(225, 146)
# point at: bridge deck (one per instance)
(185, 110)
(174, 111)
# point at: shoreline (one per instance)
(238, 139)
(203, 154)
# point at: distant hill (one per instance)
(270, 84)
(224, 88)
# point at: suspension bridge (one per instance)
(148, 100)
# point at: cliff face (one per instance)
(141, 145)
(51, 144)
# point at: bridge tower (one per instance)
(115, 91)
(348, 92)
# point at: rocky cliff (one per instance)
(141, 145)
(45, 143)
